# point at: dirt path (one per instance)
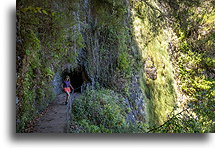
(55, 119)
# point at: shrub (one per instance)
(101, 111)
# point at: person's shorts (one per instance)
(67, 89)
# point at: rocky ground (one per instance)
(55, 119)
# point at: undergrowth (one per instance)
(102, 111)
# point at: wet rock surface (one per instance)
(136, 102)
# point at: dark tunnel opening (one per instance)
(77, 78)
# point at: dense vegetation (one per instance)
(151, 63)
(194, 64)
(190, 25)
(102, 111)
(43, 43)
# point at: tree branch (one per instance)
(166, 121)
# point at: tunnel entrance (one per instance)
(77, 78)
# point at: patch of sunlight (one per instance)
(160, 93)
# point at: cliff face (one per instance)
(90, 38)
(124, 49)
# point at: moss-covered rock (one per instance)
(147, 52)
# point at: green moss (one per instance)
(124, 63)
(79, 41)
(50, 40)
(46, 42)
(192, 24)
(161, 92)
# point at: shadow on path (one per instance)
(55, 119)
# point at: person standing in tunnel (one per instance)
(66, 87)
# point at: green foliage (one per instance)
(192, 22)
(109, 44)
(124, 63)
(209, 62)
(79, 41)
(153, 46)
(180, 123)
(28, 94)
(196, 82)
(47, 72)
(45, 41)
(200, 87)
(101, 111)
(150, 15)
(194, 63)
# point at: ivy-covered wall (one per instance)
(47, 38)
(56, 36)
(152, 54)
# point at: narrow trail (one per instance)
(56, 118)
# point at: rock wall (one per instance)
(54, 37)
(150, 52)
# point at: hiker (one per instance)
(66, 87)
